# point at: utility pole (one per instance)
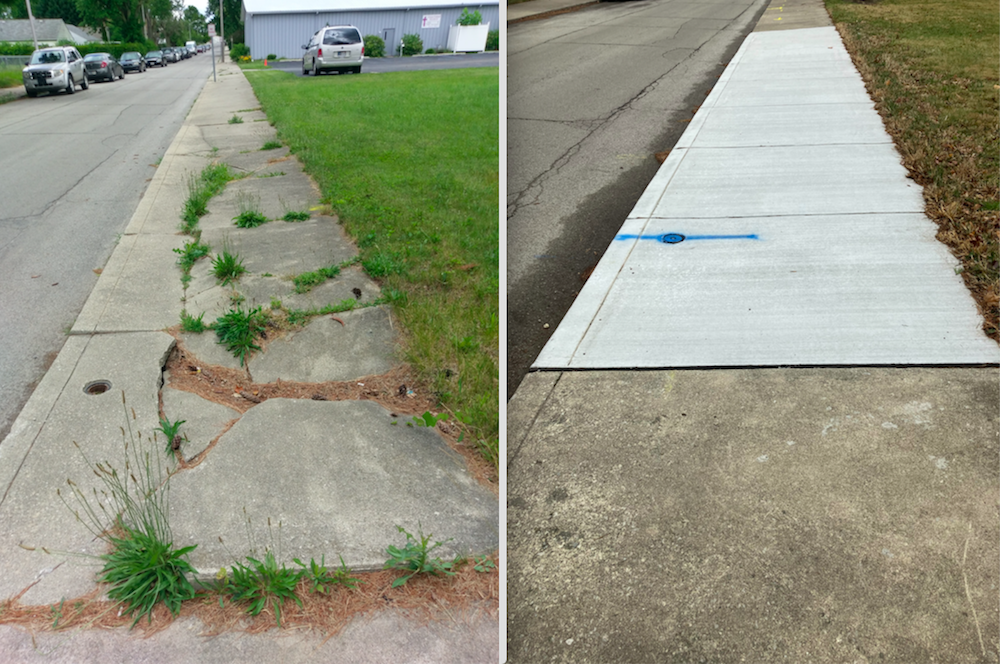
(222, 31)
(31, 19)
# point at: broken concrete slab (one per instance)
(204, 420)
(272, 197)
(325, 349)
(339, 477)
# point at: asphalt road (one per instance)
(73, 170)
(592, 95)
(382, 65)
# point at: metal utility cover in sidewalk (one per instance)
(781, 230)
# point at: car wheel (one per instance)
(86, 83)
(316, 70)
(357, 70)
(31, 93)
(70, 85)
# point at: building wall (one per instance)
(284, 34)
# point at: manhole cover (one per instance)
(671, 238)
(97, 386)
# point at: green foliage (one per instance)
(412, 45)
(271, 145)
(429, 419)
(300, 316)
(383, 264)
(144, 570)
(190, 253)
(374, 46)
(483, 564)
(130, 514)
(239, 50)
(227, 267)
(191, 324)
(292, 215)
(171, 431)
(250, 219)
(322, 579)
(469, 18)
(305, 281)
(235, 119)
(262, 581)
(201, 189)
(271, 56)
(415, 558)
(237, 330)
(493, 40)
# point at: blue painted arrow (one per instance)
(675, 238)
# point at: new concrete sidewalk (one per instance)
(311, 433)
(823, 513)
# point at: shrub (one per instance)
(493, 40)
(374, 46)
(272, 56)
(239, 51)
(412, 45)
(474, 18)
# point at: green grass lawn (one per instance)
(10, 78)
(410, 163)
(932, 69)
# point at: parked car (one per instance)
(170, 54)
(337, 48)
(54, 69)
(155, 59)
(103, 66)
(133, 61)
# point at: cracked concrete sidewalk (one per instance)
(338, 475)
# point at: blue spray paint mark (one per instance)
(675, 238)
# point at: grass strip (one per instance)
(931, 68)
(410, 163)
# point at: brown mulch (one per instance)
(424, 599)
(398, 391)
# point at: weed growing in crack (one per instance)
(307, 280)
(191, 253)
(191, 324)
(238, 330)
(298, 317)
(130, 514)
(201, 189)
(271, 145)
(322, 579)
(415, 557)
(227, 267)
(235, 119)
(293, 215)
(171, 431)
(250, 215)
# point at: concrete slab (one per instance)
(788, 180)
(324, 350)
(780, 515)
(271, 196)
(799, 294)
(339, 477)
(204, 421)
(284, 248)
(236, 137)
(465, 638)
(139, 289)
(34, 516)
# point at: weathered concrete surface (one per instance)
(785, 515)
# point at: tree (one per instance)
(231, 14)
(197, 26)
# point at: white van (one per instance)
(192, 48)
(334, 48)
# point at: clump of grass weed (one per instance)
(262, 581)
(191, 324)
(292, 215)
(190, 253)
(227, 267)
(271, 145)
(172, 432)
(131, 515)
(235, 119)
(322, 579)
(415, 558)
(238, 331)
(250, 215)
(201, 188)
(307, 280)
(382, 264)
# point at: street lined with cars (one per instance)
(103, 67)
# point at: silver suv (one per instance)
(54, 69)
(334, 48)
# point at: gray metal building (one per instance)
(281, 27)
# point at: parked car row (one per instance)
(62, 68)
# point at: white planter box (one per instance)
(468, 38)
